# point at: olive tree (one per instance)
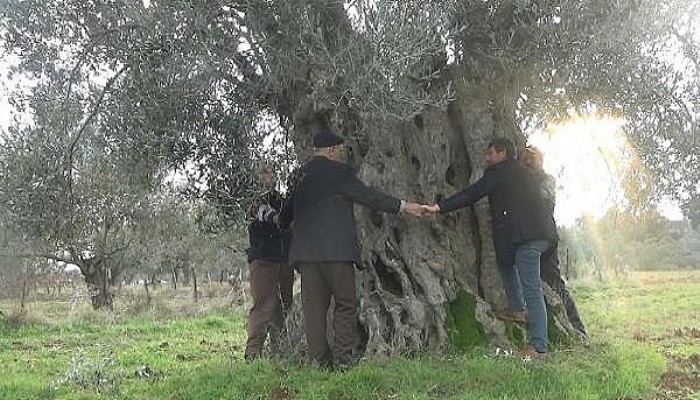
(416, 88)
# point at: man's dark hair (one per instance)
(503, 144)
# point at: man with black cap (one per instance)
(325, 246)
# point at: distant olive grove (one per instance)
(179, 255)
(618, 242)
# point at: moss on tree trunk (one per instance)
(463, 329)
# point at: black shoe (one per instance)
(342, 367)
(326, 367)
(324, 363)
(343, 364)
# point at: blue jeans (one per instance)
(511, 285)
(523, 289)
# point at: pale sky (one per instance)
(588, 156)
(5, 116)
(6, 87)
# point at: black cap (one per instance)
(326, 138)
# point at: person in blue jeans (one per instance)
(523, 229)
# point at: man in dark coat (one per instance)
(550, 271)
(270, 280)
(523, 229)
(325, 245)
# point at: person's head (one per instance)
(533, 158)
(499, 149)
(266, 175)
(329, 145)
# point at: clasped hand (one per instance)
(419, 210)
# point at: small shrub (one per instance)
(98, 374)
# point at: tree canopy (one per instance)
(171, 84)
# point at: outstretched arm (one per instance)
(356, 190)
(470, 195)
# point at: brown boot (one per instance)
(530, 353)
(509, 314)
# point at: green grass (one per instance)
(648, 307)
(99, 356)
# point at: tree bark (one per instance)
(25, 288)
(195, 293)
(413, 268)
(97, 278)
(148, 293)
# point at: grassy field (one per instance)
(645, 345)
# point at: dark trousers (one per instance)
(551, 274)
(271, 288)
(319, 282)
(286, 283)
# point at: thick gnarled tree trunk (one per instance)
(98, 280)
(432, 283)
(414, 268)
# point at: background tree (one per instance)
(417, 89)
(692, 210)
(71, 203)
(622, 241)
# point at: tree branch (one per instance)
(95, 108)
